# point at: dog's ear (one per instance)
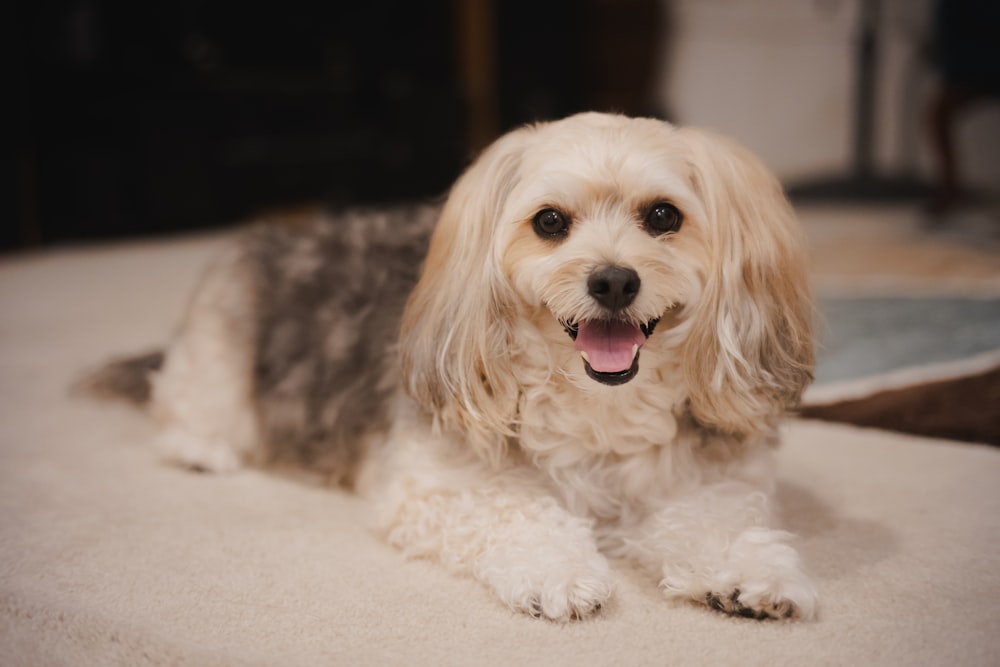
(749, 354)
(454, 335)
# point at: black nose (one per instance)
(614, 287)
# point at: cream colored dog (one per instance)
(612, 318)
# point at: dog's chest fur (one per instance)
(610, 452)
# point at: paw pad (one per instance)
(732, 604)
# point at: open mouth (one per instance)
(609, 348)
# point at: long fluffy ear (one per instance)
(454, 336)
(749, 354)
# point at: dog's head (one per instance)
(612, 236)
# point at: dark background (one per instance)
(135, 118)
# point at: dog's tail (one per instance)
(126, 379)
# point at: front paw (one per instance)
(760, 576)
(735, 604)
(559, 596)
(560, 582)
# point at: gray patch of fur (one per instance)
(123, 379)
(329, 296)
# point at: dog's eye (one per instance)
(663, 218)
(550, 223)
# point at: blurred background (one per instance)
(135, 118)
(882, 117)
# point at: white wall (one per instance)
(778, 75)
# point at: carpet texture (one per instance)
(107, 557)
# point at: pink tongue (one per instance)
(608, 344)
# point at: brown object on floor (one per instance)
(965, 408)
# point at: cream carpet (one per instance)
(107, 557)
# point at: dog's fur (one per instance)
(483, 438)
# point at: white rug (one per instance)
(107, 557)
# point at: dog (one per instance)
(611, 319)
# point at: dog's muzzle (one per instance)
(610, 345)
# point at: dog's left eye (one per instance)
(550, 223)
(663, 218)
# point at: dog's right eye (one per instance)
(550, 223)
(663, 218)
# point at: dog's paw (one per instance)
(735, 604)
(183, 449)
(560, 596)
(760, 577)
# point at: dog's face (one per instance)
(606, 235)
(604, 232)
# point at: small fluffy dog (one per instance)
(611, 319)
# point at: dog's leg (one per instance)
(535, 556)
(500, 527)
(714, 546)
(202, 397)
